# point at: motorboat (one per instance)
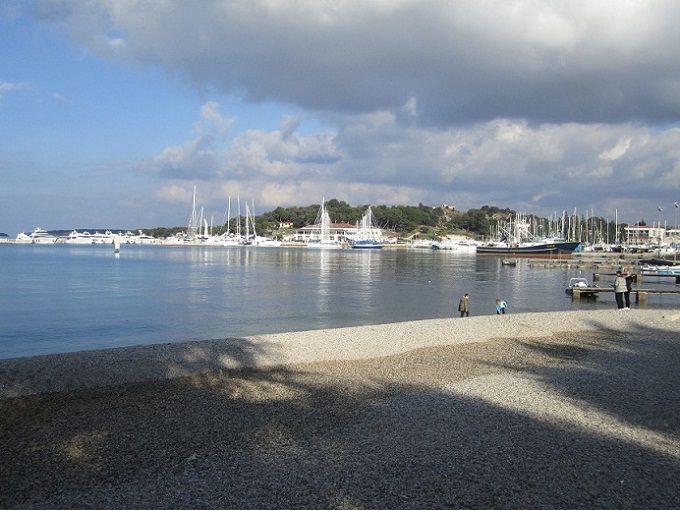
(325, 244)
(582, 286)
(38, 236)
(266, 242)
(366, 244)
(76, 237)
(23, 238)
(427, 244)
(461, 246)
(140, 238)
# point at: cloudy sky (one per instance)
(112, 110)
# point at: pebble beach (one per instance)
(541, 410)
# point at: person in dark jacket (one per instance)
(629, 286)
(464, 306)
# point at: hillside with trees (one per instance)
(421, 221)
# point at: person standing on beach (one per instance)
(500, 307)
(629, 287)
(464, 306)
(619, 289)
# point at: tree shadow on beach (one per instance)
(628, 376)
(93, 369)
(575, 421)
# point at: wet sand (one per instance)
(550, 410)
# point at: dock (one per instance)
(639, 277)
(640, 294)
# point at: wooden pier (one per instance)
(640, 294)
(639, 277)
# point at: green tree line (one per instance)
(424, 221)
(404, 220)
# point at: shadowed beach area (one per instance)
(542, 410)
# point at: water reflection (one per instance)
(323, 304)
(64, 298)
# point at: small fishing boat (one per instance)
(509, 262)
(582, 286)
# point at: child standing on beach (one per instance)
(500, 307)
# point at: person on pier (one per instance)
(629, 287)
(619, 289)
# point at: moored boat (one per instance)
(322, 237)
(38, 236)
(366, 244)
(537, 249)
(581, 286)
(368, 237)
(76, 237)
(517, 239)
(461, 246)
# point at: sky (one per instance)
(111, 111)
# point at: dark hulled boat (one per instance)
(537, 250)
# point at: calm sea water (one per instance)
(66, 298)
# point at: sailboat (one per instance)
(259, 240)
(323, 230)
(369, 237)
(229, 239)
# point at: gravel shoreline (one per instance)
(545, 410)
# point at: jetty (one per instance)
(640, 293)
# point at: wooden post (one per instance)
(596, 277)
(640, 296)
(576, 294)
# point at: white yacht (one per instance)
(141, 238)
(76, 237)
(107, 237)
(38, 236)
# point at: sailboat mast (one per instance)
(238, 224)
(228, 213)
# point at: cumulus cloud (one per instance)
(372, 159)
(546, 61)
(212, 119)
(535, 104)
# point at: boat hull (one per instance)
(366, 245)
(545, 250)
